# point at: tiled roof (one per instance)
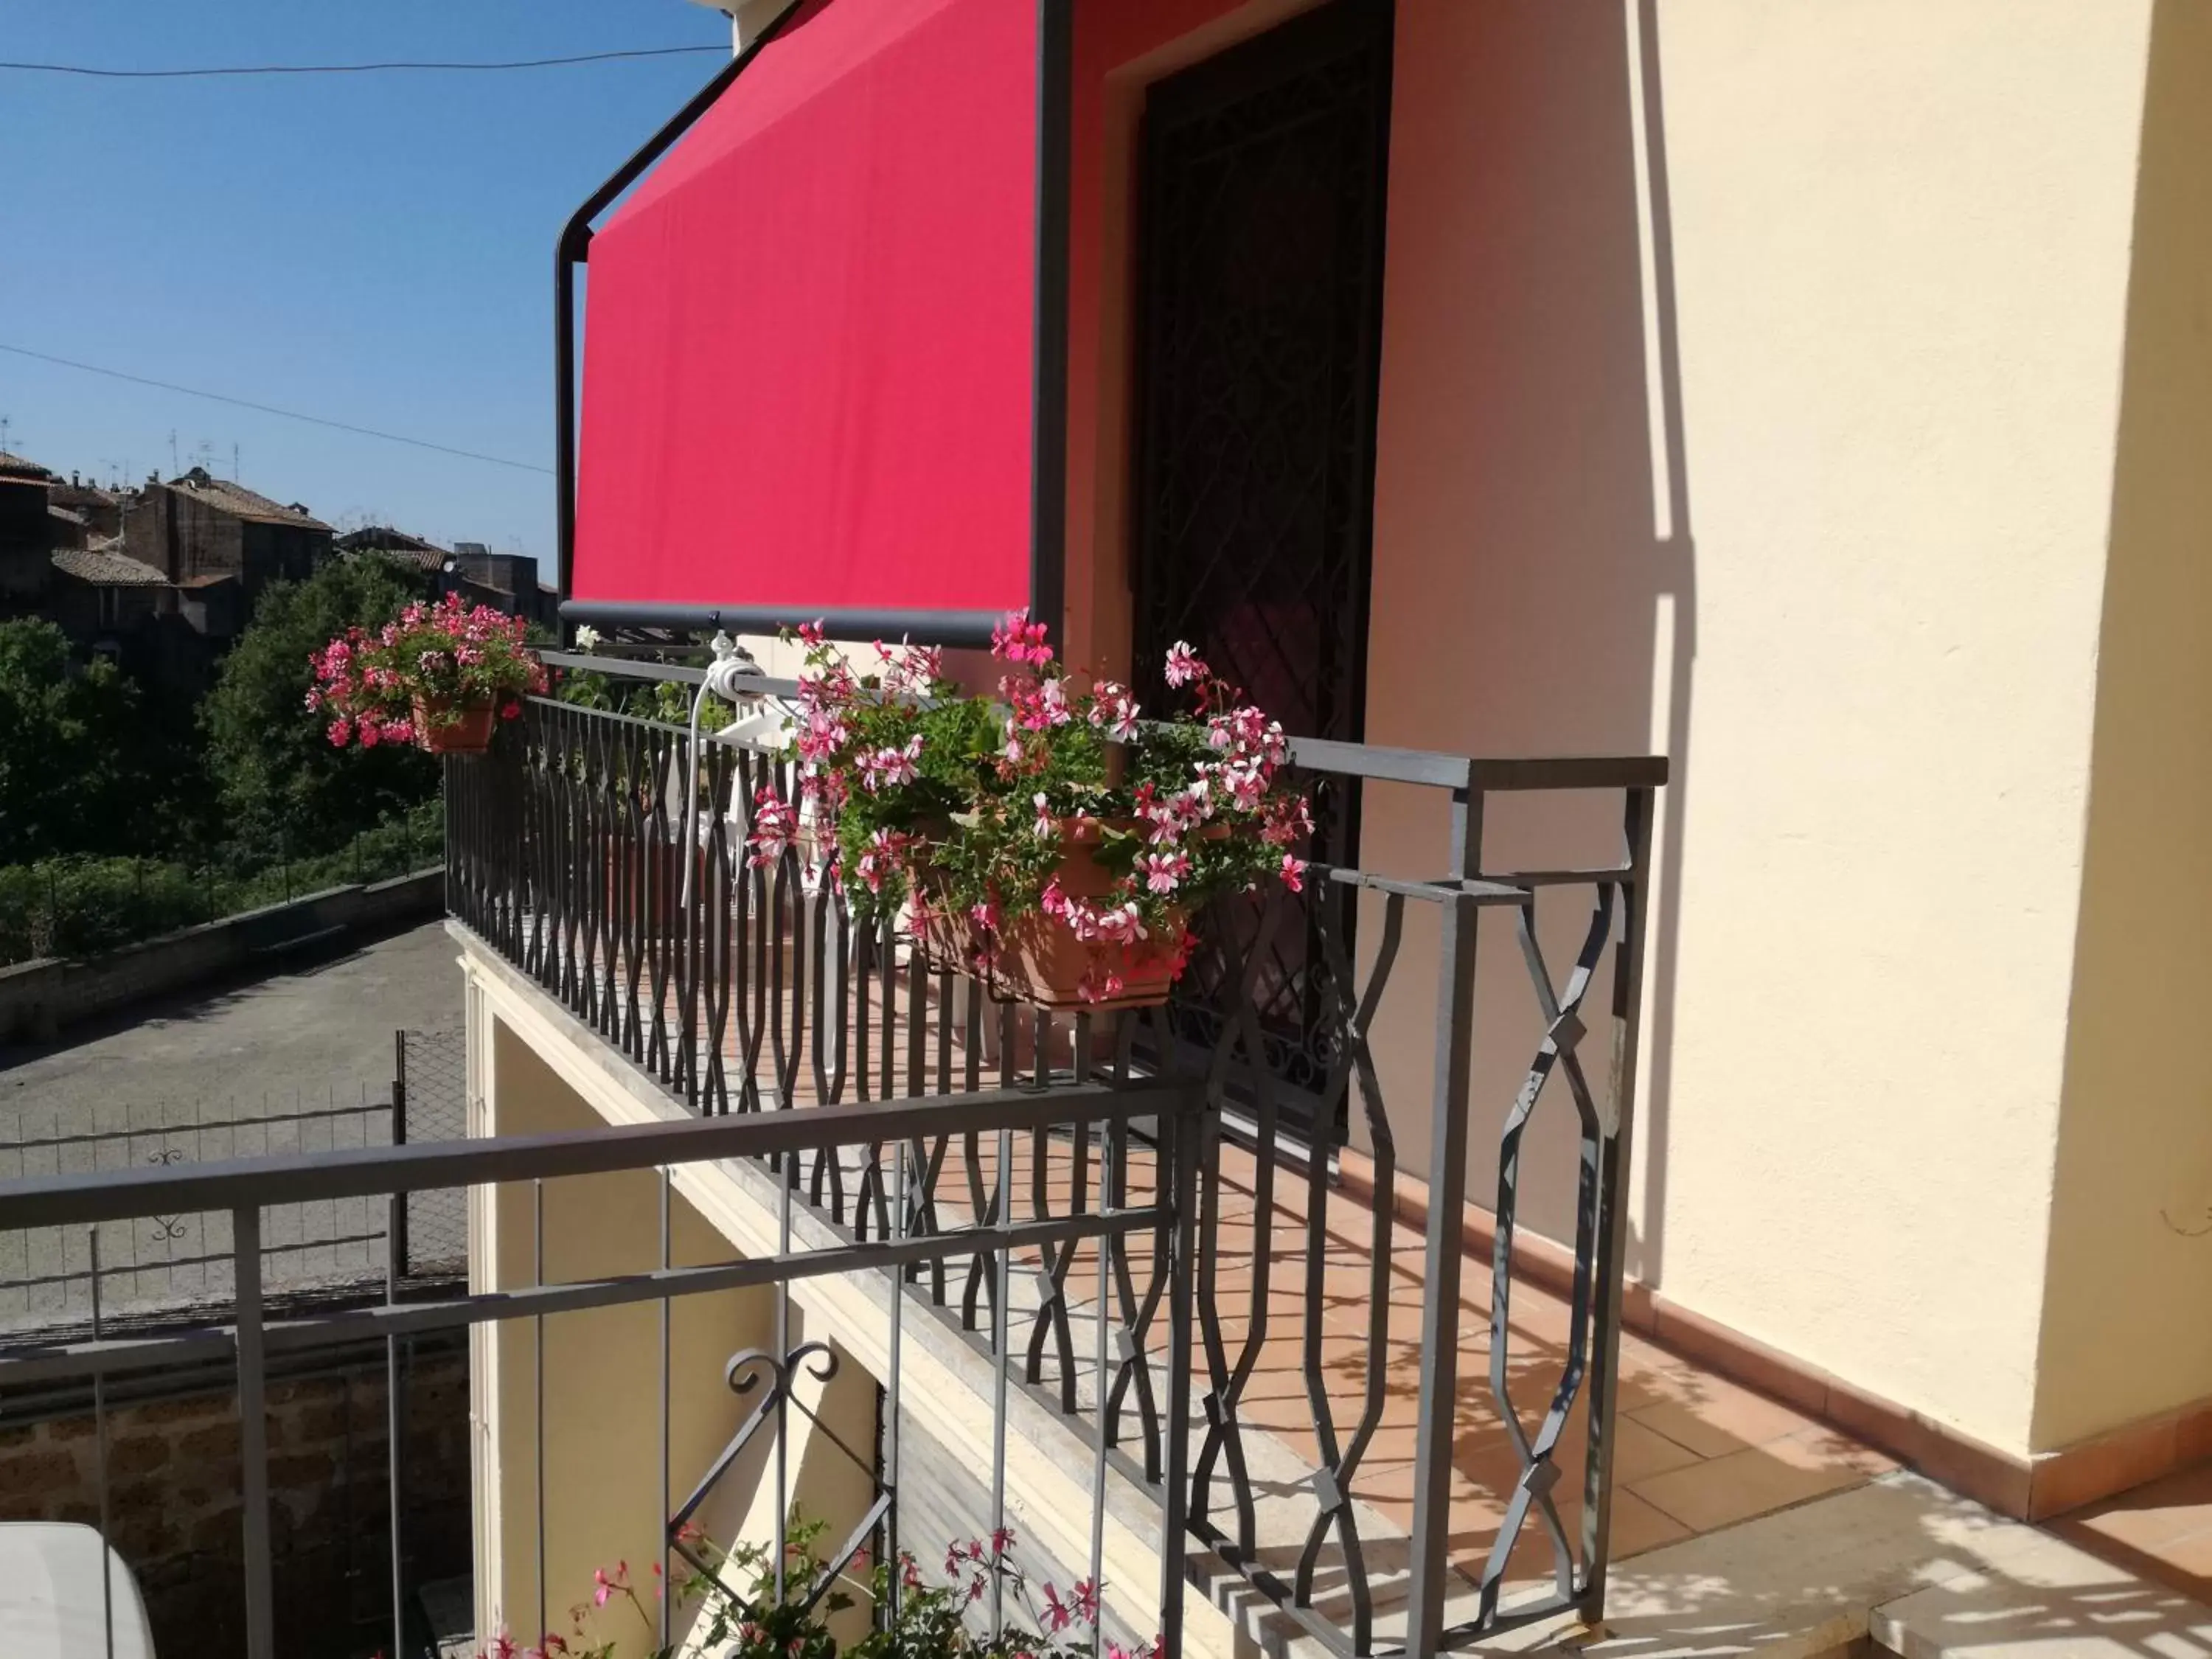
(383, 538)
(238, 500)
(54, 512)
(106, 569)
(19, 467)
(395, 544)
(80, 495)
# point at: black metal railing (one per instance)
(751, 990)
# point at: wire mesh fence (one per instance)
(157, 1266)
(430, 1084)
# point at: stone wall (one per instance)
(174, 1505)
(39, 998)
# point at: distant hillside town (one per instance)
(161, 579)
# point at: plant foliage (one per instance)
(930, 799)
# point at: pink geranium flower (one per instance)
(1184, 664)
(1164, 872)
(1099, 984)
(1019, 639)
(775, 825)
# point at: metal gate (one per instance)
(1262, 205)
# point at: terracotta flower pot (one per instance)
(468, 733)
(1042, 963)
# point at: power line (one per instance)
(271, 408)
(352, 69)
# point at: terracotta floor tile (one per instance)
(2162, 1530)
(1724, 1418)
(1691, 1450)
(1637, 1526)
(1640, 1452)
(2182, 1558)
(1821, 1447)
(1643, 1384)
(1706, 1497)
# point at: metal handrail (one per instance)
(1381, 762)
(775, 1147)
(759, 987)
(78, 1199)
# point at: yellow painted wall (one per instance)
(2130, 1274)
(1751, 380)
(602, 1428)
(529, 1057)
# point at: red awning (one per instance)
(809, 334)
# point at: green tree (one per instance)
(74, 773)
(283, 789)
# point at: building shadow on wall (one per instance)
(2131, 1197)
(1674, 603)
(1535, 588)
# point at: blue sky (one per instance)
(373, 249)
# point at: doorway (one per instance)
(1260, 206)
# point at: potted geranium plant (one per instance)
(437, 676)
(749, 1610)
(1045, 837)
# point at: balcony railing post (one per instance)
(1613, 1213)
(893, 1397)
(1458, 918)
(395, 1403)
(537, 1401)
(395, 1238)
(1002, 1363)
(1187, 1127)
(253, 1432)
(99, 1461)
(667, 1260)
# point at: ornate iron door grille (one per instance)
(1262, 200)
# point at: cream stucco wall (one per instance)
(2130, 1262)
(1752, 393)
(1751, 384)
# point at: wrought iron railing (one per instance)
(777, 1151)
(750, 990)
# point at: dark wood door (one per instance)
(1260, 211)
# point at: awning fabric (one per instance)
(808, 337)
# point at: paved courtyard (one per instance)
(320, 1032)
(299, 1061)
